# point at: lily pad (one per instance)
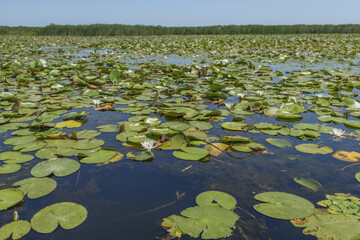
(213, 222)
(216, 198)
(10, 197)
(36, 187)
(16, 229)
(60, 167)
(176, 142)
(230, 138)
(15, 157)
(313, 148)
(69, 215)
(347, 156)
(9, 168)
(69, 124)
(282, 205)
(20, 140)
(281, 143)
(87, 144)
(191, 153)
(100, 156)
(234, 126)
(309, 183)
(324, 225)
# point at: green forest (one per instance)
(143, 30)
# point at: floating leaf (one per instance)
(9, 168)
(69, 124)
(36, 187)
(283, 205)
(282, 143)
(176, 142)
(10, 197)
(201, 125)
(357, 176)
(87, 144)
(216, 198)
(191, 153)
(142, 156)
(15, 157)
(16, 229)
(213, 222)
(60, 167)
(108, 128)
(324, 225)
(217, 148)
(20, 140)
(309, 183)
(170, 223)
(69, 215)
(100, 156)
(235, 139)
(234, 126)
(347, 156)
(313, 148)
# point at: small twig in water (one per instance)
(77, 178)
(354, 164)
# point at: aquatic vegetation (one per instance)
(242, 109)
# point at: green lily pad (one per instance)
(324, 225)
(86, 134)
(309, 183)
(15, 157)
(69, 215)
(20, 140)
(60, 167)
(87, 144)
(216, 198)
(191, 153)
(178, 126)
(9, 168)
(30, 147)
(282, 143)
(197, 135)
(357, 176)
(352, 123)
(142, 156)
(282, 205)
(201, 125)
(108, 128)
(100, 156)
(176, 142)
(10, 197)
(69, 124)
(213, 222)
(313, 148)
(46, 153)
(36, 187)
(234, 126)
(235, 139)
(170, 223)
(75, 115)
(16, 229)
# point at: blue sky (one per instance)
(179, 12)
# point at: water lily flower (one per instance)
(356, 105)
(96, 102)
(229, 105)
(242, 95)
(148, 144)
(259, 93)
(337, 132)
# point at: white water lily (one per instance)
(337, 132)
(148, 144)
(242, 95)
(96, 102)
(229, 105)
(355, 105)
(259, 93)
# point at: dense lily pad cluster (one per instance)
(193, 98)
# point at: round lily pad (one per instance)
(9, 168)
(191, 153)
(213, 222)
(16, 229)
(60, 167)
(36, 187)
(20, 140)
(234, 126)
(313, 148)
(87, 144)
(10, 197)
(216, 198)
(69, 215)
(283, 205)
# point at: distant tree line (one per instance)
(143, 30)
